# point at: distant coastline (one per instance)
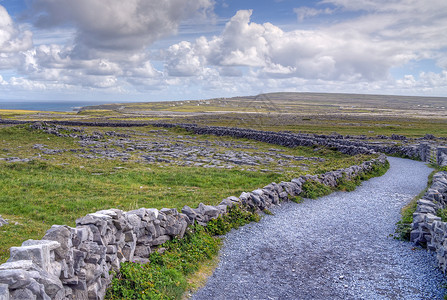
(60, 106)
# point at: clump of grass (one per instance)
(442, 213)
(235, 218)
(313, 189)
(346, 185)
(297, 199)
(403, 227)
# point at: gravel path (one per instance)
(336, 247)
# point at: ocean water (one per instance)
(63, 106)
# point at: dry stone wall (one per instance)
(75, 262)
(395, 145)
(427, 228)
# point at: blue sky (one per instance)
(140, 50)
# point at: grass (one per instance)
(403, 227)
(166, 276)
(58, 189)
(313, 189)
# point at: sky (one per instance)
(155, 50)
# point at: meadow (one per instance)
(56, 174)
(48, 179)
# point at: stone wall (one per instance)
(75, 262)
(427, 228)
(352, 145)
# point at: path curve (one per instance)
(335, 247)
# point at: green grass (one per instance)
(403, 227)
(313, 189)
(58, 189)
(165, 276)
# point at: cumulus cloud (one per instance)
(114, 25)
(300, 53)
(110, 48)
(11, 38)
(364, 48)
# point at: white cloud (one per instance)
(305, 12)
(11, 38)
(109, 49)
(113, 26)
(300, 53)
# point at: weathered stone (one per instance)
(141, 260)
(4, 292)
(39, 253)
(169, 211)
(208, 210)
(15, 279)
(97, 235)
(22, 294)
(430, 218)
(62, 235)
(128, 251)
(142, 251)
(99, 220)
(19, 264)
(191, 213)
(425, 202)
(81, 234)
(134, 220)
(78, 260)
(160, 240)
(2, 221)
(113, 213)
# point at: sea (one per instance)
(60, 106)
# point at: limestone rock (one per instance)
(2, 221)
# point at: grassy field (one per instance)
(60, 186)
(54, 175)
(369, 115)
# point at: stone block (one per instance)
(62, 235)
(128, 251)
(4, 292)
(208, 210)
(160, 240)
(96, 219)
(20, 264)
(142, 251)
(22, 294)
(191, 213)
(134, 220)
(113, 213)
(153, 212)
(430, 218)
(169, 211)
(81, 234)
(415, 235)
(39, 254)
(15, 279)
